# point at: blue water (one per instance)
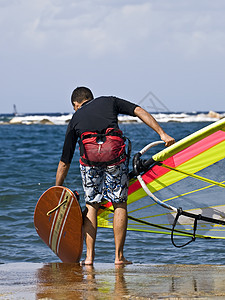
(29, 157)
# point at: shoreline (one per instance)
(107, 281)
(63, 119)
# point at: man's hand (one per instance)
(167, 139)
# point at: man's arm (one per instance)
(152, 123)
(61, 173)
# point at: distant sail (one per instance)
(15, 113)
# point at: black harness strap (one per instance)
(101, 136)
(179, 213)
(196, 219)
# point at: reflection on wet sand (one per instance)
(59, 281)
(120, 282)
(106, 281)
(71, 281)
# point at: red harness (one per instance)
(105, 149)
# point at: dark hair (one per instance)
(80, 94)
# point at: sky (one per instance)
(125, 48)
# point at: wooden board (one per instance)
(61, 229)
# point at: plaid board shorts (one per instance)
(105, 183)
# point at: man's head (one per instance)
(80, 95)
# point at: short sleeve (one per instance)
(125, 107)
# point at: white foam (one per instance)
(41, 119)
(160, 117)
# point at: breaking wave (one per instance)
(63, 119)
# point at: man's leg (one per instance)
(120, 229)
(92, 179)
(90, 230)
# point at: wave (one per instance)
(63, 119)
(45, 119)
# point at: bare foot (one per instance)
(86, 263)
(123, 261)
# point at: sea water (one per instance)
(29, 156)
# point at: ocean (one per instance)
(30, 150)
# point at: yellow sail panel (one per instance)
(190, 140)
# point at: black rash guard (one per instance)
(94, 115)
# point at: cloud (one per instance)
(100, 28)
(116, 45)
(111, 29)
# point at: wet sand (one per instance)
(106, 281)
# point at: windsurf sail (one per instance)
(179, 187)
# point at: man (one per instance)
(103, 160)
